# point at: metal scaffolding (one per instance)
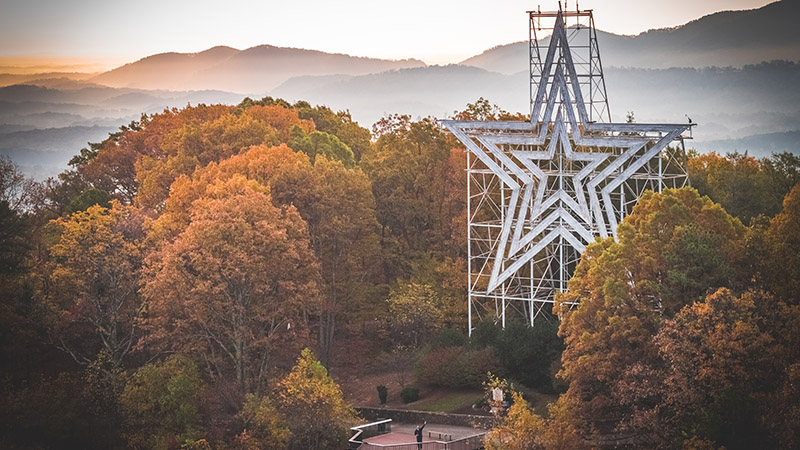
(540, 191)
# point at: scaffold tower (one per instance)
(540, 191)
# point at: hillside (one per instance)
(42, 125)
(8, 79)
(251, 71)
(729, 38)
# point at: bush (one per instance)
(382, 393)
(409, 394)
(449, 337)
(526, 353)
(457, 366)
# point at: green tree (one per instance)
(783, 169)
(528, 354)
(314, 407)
(87, 198)
(339, 124)
(321, 143)
(415, 312)
(162, 402)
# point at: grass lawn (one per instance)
(447, 401)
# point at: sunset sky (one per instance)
(438, 32)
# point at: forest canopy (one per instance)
(194, 280)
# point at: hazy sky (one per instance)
(436, 31)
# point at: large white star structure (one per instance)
(560, 170)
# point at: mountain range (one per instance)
(254, 70)
(728, 38)
(713, 69)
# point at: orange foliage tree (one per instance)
(672, 250)
(335, 202)
(235, 284)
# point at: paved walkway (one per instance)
(404, 434)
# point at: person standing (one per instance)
(418, 434)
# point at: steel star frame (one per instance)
(540, 191)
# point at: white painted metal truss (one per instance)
(540, 191)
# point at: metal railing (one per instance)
(369, 430)
(467, 443)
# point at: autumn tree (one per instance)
(338, 205)
(521, 429)
(91, 283)
(774, 248)
(260, 163)
(484, 110)
(673, 249)
(314, 406)
(743, 185)
(415, 176)
(235, 284)
(111, 165)
(719, 361)
(195, 144)
(264, 426)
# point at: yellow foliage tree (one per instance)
(92, 282)
(314, 406)
(521, 429)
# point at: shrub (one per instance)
(449, 337)
(409, 394)
(527, 353)
(382, 393)
(457, 366)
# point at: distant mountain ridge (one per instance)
(727, 38)
(255, 70)
(728, 103)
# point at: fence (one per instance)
(473, 442)
(369, 430)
